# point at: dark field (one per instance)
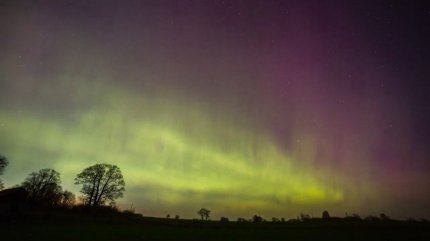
(69, 226)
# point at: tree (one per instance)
(204, 213)
(177, 216)
(224, 219)
(3, 164)
(43, 187)
(384, 217)
(325, 215)
(67, 199)
(304, 217)
(101, 183)
(257, 219)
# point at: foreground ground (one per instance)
(72, 226)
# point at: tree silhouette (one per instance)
(384, 217)
(3, 164)
(101, 183)
(257, 219)
(43, 187)
(177, 216)
(304, 217)
(67, 199)
(204, 213)
(325, 215)
(224, 219)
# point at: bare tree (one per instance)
(3, 164)
(43, 187)
(101, 183)
(204, 213)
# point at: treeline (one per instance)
(204, 214)
(101, 184)
(325, 216)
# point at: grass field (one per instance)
(71, 226)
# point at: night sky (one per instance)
(242, 107)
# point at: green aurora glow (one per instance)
(175, 150)
(287, 107)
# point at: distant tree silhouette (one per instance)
(257, 219)
(275, 219)
(101, 183)
(354, 216)
(304, 217)
(177, 216)
(372, 218)
(67, 199)
(3, 164)
(282, 219)
(224, 219)
(204, 213)
(325, 215)
(241, 219)
(168, 216)
(43, 187)
(384, 217)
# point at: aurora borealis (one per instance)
(242, 107)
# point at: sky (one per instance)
(242, 107)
